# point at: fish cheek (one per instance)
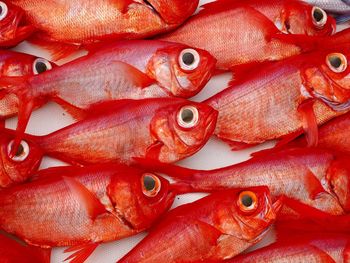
(316, 82)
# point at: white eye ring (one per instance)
(151, 184)
(4, 10)
(189, 59)
(337, 62)
(22, 152)
(188, 117)
(41, 65)
(319, 16)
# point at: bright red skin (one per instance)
(46, 213)
(295, 173)
(311, 249)
(66, 20)
(265, 104)
(211, 229)
(12, 251)
(121, 130)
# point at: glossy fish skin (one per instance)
(121, 130)
(315, 177)
(211, 229)
(66, 21)
(12, 251)
(49, 212)
(25, 162)
(14, 64)
(309, 248)
(274, 99)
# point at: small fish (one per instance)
(124, 70)
(13, 28)
(250, 39)
(14, 64)
(12, 251)
(81, 207)
(284, 99)
(162, 129)
(301, 248)
(216, 227)
(314, 177)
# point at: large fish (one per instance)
(217, 227)
(284, 99)
(81, 207)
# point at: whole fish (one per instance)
(214, 228)
(12, 251)
(252, 37)
(13, 29)
(81, 207)
(124, 70)
(85, 21)
(301, 248)
(284, 99)
(163, 129)
(314, 177)
(14, 64)
(21, 167)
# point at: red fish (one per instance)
(301, 248)
(125, 70)
(13, 28)
(314, 177)
(12, 251)
(14, 64)
(81, 207)
(86, 21)
(214, 228)
(284, 99)
(250, 39)
(162, 129)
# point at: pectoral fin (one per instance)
(309, 122)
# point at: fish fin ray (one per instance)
(309, 122)
(92, 204)
(81, 252)
(314, 185)
(77, 113)
(211, 233)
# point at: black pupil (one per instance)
(149, 183)
(318, 15)
(40, 67)
(247, 200)
(20, 150)
(0, 9)
(188, 58)
(187, 115)
(335, 62)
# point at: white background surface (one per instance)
(214, 155)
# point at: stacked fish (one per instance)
(129, 96)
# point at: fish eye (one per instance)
(319, 16)
(150, 184)
(22, 151)
(337, 62)
(188, 117)
(3, 10)
(189, 59)
(41, 65)
(247, 201)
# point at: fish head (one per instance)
(140, 197)
(181, 129)
(327, 77)
(301, 18)
(25, 162)
(338, 177)
(13, 27)
(182, 70)
(251, 212)
(173, 11)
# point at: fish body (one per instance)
(211, 229)
(283, 99)
(84, 21)
(68, 206)
(161, 129)
(314, 177)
